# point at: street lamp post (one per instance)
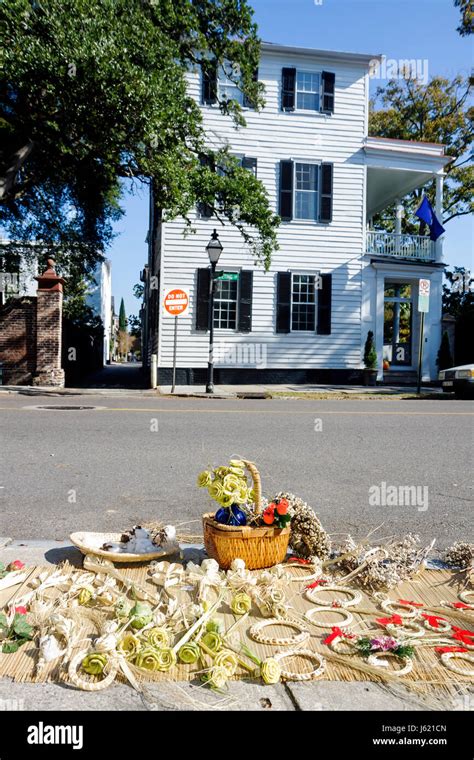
(214, 249)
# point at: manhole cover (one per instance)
(50, 408)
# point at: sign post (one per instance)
(423, 308)
(176, 302)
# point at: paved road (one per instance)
(137, 458)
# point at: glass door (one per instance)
(398, 324)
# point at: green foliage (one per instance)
(404, 651)
(138, 290)
(466, 25)
(16, 634)
(437, 112)
(122, 317)
(444, 359)
(135, 326)
(370, 354)
(94, 94)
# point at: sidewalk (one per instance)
(312, 696)
(233, 391)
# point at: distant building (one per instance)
(99, 298)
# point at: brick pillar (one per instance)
(49, 310)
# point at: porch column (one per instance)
(399, 214)
(439, 214)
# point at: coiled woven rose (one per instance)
(84, 596)
(157, 637)
(270, 671)
(166, 659)
(228, 660)
(94, 663)
(189, 653)
(129, 646)
(217, 677)
(279, 610)
(241, 603)
(148, 659)
(212, 641)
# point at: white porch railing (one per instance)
(400, 246)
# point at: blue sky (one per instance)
(420, 29)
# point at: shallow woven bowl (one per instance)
(90, 543)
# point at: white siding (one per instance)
(271, 136)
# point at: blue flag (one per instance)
(427, 215)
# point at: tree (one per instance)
(93, 92)
(466, 25)
(370, 353)
(122, 317)
(135, 325)
(437, 112)
(458, 300)
(444, 359)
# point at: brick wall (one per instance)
(18, 341)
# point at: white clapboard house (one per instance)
(334, 277)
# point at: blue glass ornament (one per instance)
(231, 516)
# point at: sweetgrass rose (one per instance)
(129, 646)
(241, 603)
(237, 471)
(122, 609)
(251, 496)
(189, 653)
(140, 615)
(157, 637)
(216, 490)
(204, 479)
(270, 670)
(221, 472)
(166, 659)
(212, 641)
(148, 659)
(226, 500)
(217, 677)
(85, 595)
(213, 626)
(231, 483)
(228, 660)
(241, 496)
(94, 663)
(237, 463)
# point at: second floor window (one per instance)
(228, 89)
(225, 301)
(307, 90)
(306, 191)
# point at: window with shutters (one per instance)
(303, 302)
(306, 201)
(308, 90)
(225, 300)
(228, 86)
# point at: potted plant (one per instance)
(241, 529)
(370, 360)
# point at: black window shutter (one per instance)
(204, 209)
(250, 164)
(245, 300)
(325, 200)
(202, 299)
(283, 314)
(328, 80)
(209, 82)
(324, 305)
(288, 89)
(286, 190)
(247, 102)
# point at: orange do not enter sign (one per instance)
(176, 301)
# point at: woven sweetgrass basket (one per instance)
(258, 547)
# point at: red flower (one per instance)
(282, 506)
(21, 610)
(269, 514)
(16, 565)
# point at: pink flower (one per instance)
(16, 565)
(21, 610)
(384, 643)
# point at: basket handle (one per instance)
(257, 484)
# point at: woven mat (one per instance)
(430, 587)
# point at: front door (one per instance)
(398, 324)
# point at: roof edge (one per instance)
(329, 54)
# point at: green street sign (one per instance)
(229, 276)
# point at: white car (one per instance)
(459, 380)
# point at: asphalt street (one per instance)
(136, 458)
